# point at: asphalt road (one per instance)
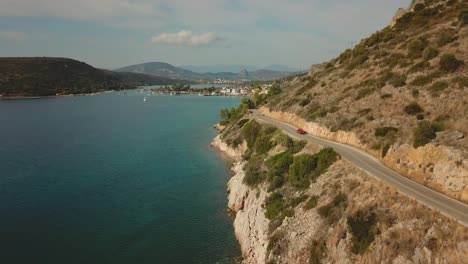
(447, 206)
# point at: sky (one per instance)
(115, 33)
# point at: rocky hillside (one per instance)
(401, 94)
(296, 202)
(57, 76)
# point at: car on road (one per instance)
(301, 131)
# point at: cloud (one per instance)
(186, 38)
(13, 35)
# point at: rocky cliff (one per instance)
(342, 216)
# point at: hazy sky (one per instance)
(112, 33)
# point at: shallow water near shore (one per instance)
(112, 179)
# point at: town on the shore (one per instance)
(230, 90)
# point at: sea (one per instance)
(112, 178)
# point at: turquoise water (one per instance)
(112, 179)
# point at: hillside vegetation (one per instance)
(299, 203)
(406, 85)
(58, 76)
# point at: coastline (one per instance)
(20, 97)
(293, 240)
(250, 224)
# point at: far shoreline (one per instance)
(31, 97)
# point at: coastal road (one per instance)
(445, 205)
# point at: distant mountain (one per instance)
(164, 70)
(236, 68)
(170, 71)
(219, 68)
(281, 68)
(42, 76)
(140, 79)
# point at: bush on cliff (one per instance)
(254, 174)
(362, 225)
(425, 132)
(333, 210)
(275, 206)
(308, 167)
(449, 63)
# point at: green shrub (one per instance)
(250, 132)
(254, 175)
(365, 92)
(298, 200)
(449, 63)
(306, 166)
(386, 96)
(315, 111)
(413, 109)
(445, 37)
(425, 133)
(318, 251)
(385, 150)
(275, 206)
(430, 52)
(420, 66)
(325, 158)
(332, 211)
(242, 122)
(397, 80)
(293, 146)
(279, 164)
(304, 102)
(362, 226)
(311, 203)
(439, 86)
(356, 61)
(275, 183)
(301, 169)
(383, 131)
(463, 17)
(232, 115)
(263, 144)
(364, 111)
(416, 47)
(418, 7)
(275, 89)
(422, 80)
(461, 81)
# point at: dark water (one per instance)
(111, 179)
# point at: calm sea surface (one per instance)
(112, 179)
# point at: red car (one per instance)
(301, 131)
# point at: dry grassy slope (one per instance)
(369, 87)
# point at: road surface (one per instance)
(447, 206)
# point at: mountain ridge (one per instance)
(50, 76)
(171, 71)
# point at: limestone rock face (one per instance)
(437, 166)
(250, 224)
(440, 167)
(235, 153)
(314, 128)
